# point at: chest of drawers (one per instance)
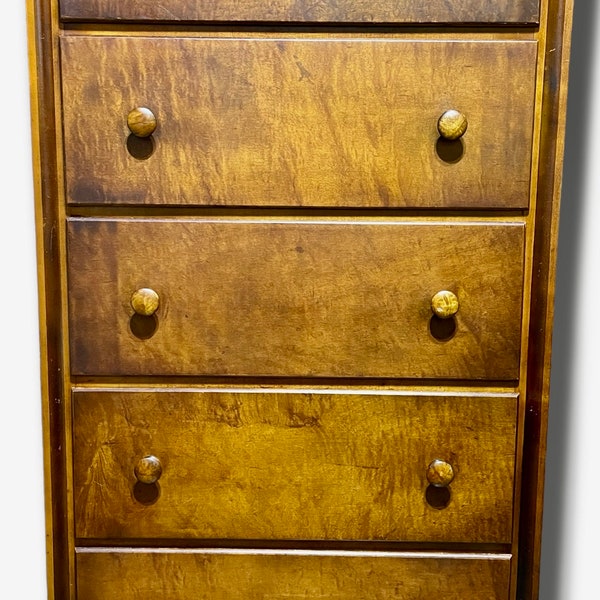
(296, 263)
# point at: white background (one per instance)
(571, 527)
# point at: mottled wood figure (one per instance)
(296, 266)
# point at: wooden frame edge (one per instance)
(554, 109)
(43, 140)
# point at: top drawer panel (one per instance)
(305, 11)
(337, 122)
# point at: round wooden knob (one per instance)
(148, 470)
(440, 473)
(452, 125)
(145, 301)
(444, 304)
(141, 122)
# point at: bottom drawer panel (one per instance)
(241, 575)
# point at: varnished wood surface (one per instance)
(295, 298)
(351, 11)
(205, 575)
(321, 122)
(43, 74)
(554, 112)
(159, 577)
(271, 465)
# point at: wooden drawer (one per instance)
(292, 465)
(306, 11)
(278, 575)
(313, 122)
(310, 298)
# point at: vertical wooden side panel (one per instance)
(542, 307)
(42, 102)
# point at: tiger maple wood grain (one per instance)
(321, 122)
(174, 575)
(354, 11)
(274, 465)
(209, 575)
(293, 298)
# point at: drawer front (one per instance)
(269, 464)
(208, 575)
(295, 298)
(307, 11)
(320, 122)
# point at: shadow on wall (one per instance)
(569, 257)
